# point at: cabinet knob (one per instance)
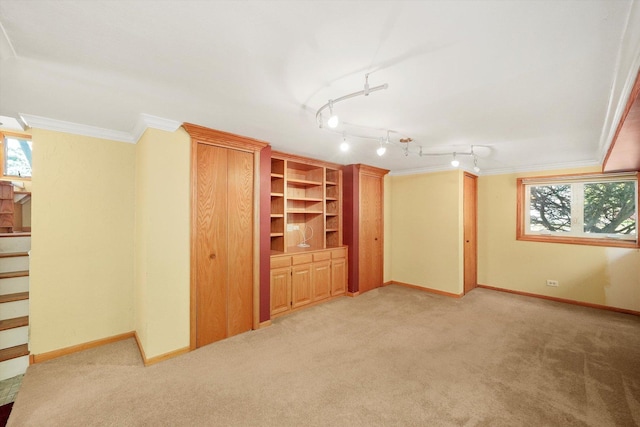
(212, 256)
(375, 238)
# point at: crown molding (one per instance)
(499, 171)
(145, 121)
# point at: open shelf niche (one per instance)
(306, 204)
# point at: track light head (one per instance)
(455, 162)
(333, 118)
(476, 168)
(345, 145)
(381, 150)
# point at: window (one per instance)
(583, 209)
(16, 156)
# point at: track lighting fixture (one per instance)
(455, 162)
(476, 169)
(333, 118)
(382, 149)
(333, 122)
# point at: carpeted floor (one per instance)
(393, 356)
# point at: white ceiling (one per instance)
(540, 83)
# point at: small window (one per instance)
(589, 209)
(16, 156)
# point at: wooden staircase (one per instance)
(14, 304)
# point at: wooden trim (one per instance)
(570, 240)
(31, 360)
(371, 170)
(423, 288)
(223, 139)
(353, 294)
(301, 159)
(160, 358)
(633, 96)
(140, 348)
(193, 264)
(256, 240)
(563, 300)
(265, 324)
(43, 357)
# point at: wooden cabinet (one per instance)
(338, 276)
(224, 234)
(6, 207)
(306, 232)
(280, 290)
(321, 280)
(301, 290)
(305, 278)
(364, 225)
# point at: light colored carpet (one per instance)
(393, 356)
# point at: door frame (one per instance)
(203, 135)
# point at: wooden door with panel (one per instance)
(371, 232)
(240, 242)
(211, 244)
(301, 289)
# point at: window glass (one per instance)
(610, 208)
(550, 208)
(17, 157)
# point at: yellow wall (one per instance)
(597, 275)
(162, 241)
(81, 280)
(425, 230)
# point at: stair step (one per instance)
(14, 274)
(16, 322)
(13, 352)
(13, 254)
(14, 297)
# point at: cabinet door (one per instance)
(338, 276)
(239, 242)
(371, 250)
(280, 290)
(301, 292)
(321, 278)
(211, 244)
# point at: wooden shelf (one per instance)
(331, 214)
(291, 211)
(277, 234)
(277, 194)
(303, 182)
(331, 183)
(331, 230)
(306, 199)
(277, 215)
(277, 175)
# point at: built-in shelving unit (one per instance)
(306, 204)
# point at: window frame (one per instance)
(3, 148)
(522, 198)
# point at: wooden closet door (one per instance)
(211, 244)
(371, 249)
(240, 241)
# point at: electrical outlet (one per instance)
(553, 283)
(292, 227)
